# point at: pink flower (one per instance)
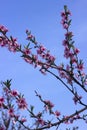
(65, 26)
(62, 74)
(13, 47)
(47, 55)
(22, 103)
(66, 52)
(23, 120)
(1, 99)
(3, 29)
(14, 93)
(40, 122)
(57, 113)
(3, 41)
(65, 42)
(80, 67)
(43, 56)
(11, 112)
(1, 102)
(63, 14)
(26, 51)
(49, 58)
(11, 44)
(74, 60)
(76, 50)
(41, 49)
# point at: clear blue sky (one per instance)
(43, 19)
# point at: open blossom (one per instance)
(65, 21)
(57, 113)
(65, 25)
(69, 52)
(50, 59)
(14, 93)
(3, 29)
(26, 51)
(73, 59)
(3, 41)
(63, 14)
(41, 49)
(80, 66)
(62, 74)
(76, 50)
(13, 47)
(11, 43)
(1, 99)
(40, 121)
(65, 43)
(66, 52)
(22, 103)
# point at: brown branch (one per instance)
(62, 121)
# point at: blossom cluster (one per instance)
(72, 119)
(37, 55)
(11, 97)
(42, 58)
(7, 101)
(10, 43)
(75, 65)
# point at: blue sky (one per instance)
(43, 19)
